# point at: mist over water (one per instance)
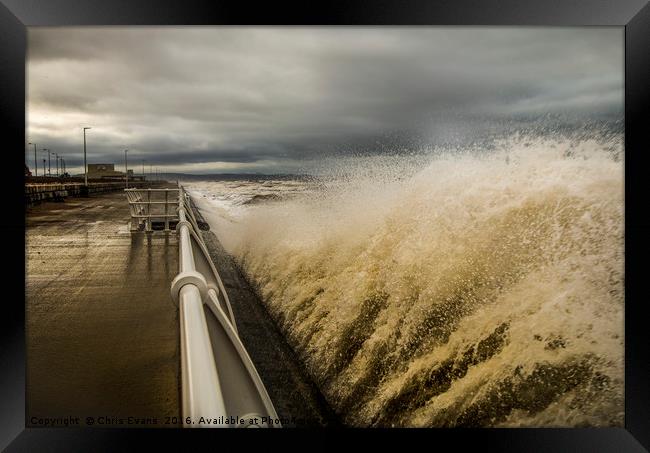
(480, 286)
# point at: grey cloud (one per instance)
(242, 95)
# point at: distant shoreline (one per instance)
(235, 176)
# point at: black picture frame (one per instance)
(634, 15)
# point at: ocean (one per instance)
(478, 286)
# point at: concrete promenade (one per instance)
(102, 332)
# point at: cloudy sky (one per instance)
(244, 99)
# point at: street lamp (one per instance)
(85, 166)
(49, 163)
(35, 160)
(126, 168)
(57, 164)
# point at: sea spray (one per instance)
(473, 288)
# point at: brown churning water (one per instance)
(475, 289)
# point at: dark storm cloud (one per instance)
(201, 99)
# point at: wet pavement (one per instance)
(102, 332)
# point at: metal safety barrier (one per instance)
(220, 385)
(152, 206)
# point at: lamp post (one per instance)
(35, 159)
(49, 166)
(85, 166)
(63, 166)
(126, 168)
(57, 164)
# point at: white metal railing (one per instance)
(149, 206)
(220, 384)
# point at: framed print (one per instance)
(404, 218)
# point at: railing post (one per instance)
(166, 209)
(148, 220)
(133, 209)
(201, 392)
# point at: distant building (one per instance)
(101, 170)
(107, 171)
